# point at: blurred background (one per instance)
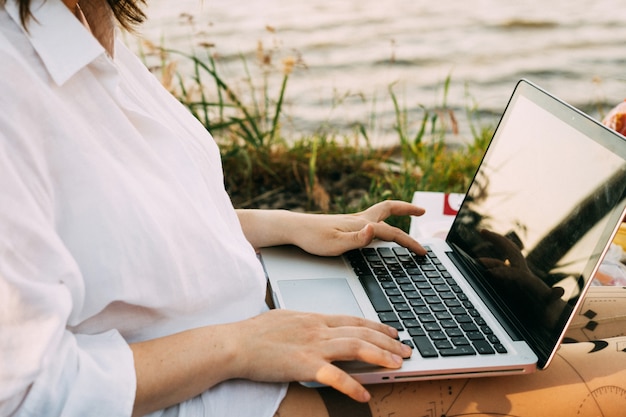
(348, 53)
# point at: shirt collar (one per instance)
(64, 45)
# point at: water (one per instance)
(355, 49)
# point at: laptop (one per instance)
(497, 294)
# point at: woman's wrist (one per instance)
(265, 228)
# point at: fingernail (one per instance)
(406, 351)
(396, 359)
(365, 397)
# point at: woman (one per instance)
(128, 283)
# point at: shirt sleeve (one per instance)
(45, 369)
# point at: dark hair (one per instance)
(127, 12)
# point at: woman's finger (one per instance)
(333, 376)
(388, 233)
(353, 349)
(351, 321)
(383, 210)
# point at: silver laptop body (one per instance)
(536, 221)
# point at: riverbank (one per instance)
(324, 171)
(350, 52)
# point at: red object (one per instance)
(447, 208)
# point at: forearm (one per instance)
(265, 228)
(328, 234)
(175, 368)
(275, 346)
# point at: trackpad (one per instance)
(328, 296)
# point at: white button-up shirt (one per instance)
(114, 226)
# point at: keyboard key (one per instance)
(437, 335)
(387, 316)
(418, 278)
(411, 295)
(416, 331)
(388, 285)
(460, 341)
(458, 351)
(406, 315)
(431, 274)
(417, 302)
(443, 315)
(393, 291)
(475, 336)
(457, 310)
(499, 348)
(405, 283)
(410, 323)
(469, 327)
(431, 327)
(426, 318)
(428, 292)
(455, 332)
(463, 319)
(421, 310)
(395, 324)
(422, 285)
(455, 288)
(448, 324)
(421, 260)
(433, 300)
(396, 299)
(483, 347)
(400, 250)
(375, 293)
(436, 308)
(403, 307)
(398, 274)
(425, 347)
(493, 339)
(442, 345)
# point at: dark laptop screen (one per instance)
(537, 217)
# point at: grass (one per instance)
(320, 172)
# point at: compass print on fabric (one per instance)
(607, 401)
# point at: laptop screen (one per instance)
(540, 211)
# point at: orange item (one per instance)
(616, 119)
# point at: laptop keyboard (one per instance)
(417, 294)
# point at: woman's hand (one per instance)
(283, 345)
(336, 234)
(329, 234)
(276, 346)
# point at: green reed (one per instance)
(324, 172)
